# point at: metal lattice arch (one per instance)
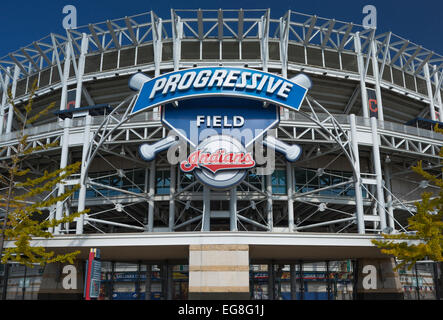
(354, 177)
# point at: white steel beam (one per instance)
(378, 174)
(358, 182)
(362, 72)
(430, 94)
(4, 101)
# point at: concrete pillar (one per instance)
(219, 272)
(56, 276)
(377, 280)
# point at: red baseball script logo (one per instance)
(218, 160)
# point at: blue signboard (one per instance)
(219, 81)
(243, 119)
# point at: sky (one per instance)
(418, 21)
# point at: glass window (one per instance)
(163, 181)
(278, 181)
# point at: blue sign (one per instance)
(219, 81)
(243, 119)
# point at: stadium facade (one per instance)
(304, 228)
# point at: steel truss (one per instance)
(252, 38)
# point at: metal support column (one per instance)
(206, 219)
(173, 175)
(302, 281)
(269, 202)
(170, 282)
(148, 282)
(284, 39)
(293, 282)
(233, 209)
(11, 108)
(4, 102)
(86, 135)
(151, 203)
(429, 89)
(357, 183)
(362, 72)
(177, 35)
(65, 138)
(378, 173)
(271, 281)
(328, 279)
(438, 95)
(390, 209)
(289, 183)
(377, 78)
(263, 27)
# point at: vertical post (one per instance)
(390, 209)
(377, 78)
(378, 173)
(271, 281)
(293, 282)
(206, 219)
(302, 281)
(269, 202)
(429, 89)
(148, 286)
(5, 282)
(173, 175)
(263, 27)
(86, 134)
(137, 283)
(438, 95)
(24, 284)
(65, 139)
(170, 282)
(362, 72)
(357, 183)
(284, 39)
(11, 108)
(4, 100)
(435, 278)
(417, 288)
(151, 203)
(111, 289)
(289, 183)
(177, 34)
(328, 279)
(233, 209)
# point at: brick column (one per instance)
(219, 272)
